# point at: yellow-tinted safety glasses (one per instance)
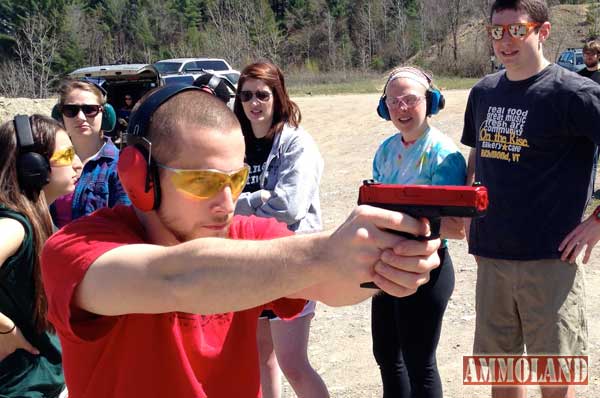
(206, 183)
(63, 157)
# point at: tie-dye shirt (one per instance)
(433, 159)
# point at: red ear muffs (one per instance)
(138, 179)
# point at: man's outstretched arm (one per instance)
(212, 275)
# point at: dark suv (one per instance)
(572, 59)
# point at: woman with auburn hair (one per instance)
(285, 172)
(83, 110)
(32, 175)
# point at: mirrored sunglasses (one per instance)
(72, 110)
(405, 101)
(63, 157)
(262, 96)
(206, 183)
(516, 30)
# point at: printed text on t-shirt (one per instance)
(501, 134)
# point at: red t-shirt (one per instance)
(149, 355)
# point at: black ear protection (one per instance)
(109, 116)
(434, 99)
(212, 86)
(137, 172)
(33, 169)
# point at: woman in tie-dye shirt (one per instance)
(406, 330)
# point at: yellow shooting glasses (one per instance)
(63, 157)
(206, 183)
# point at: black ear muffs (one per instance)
(137, 172)
(56, 114)
(218, 86)
(33, 169)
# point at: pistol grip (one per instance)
(434, 224)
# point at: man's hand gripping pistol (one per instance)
(430, 201)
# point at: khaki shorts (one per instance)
(537, 304)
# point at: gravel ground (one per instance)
(348, 132)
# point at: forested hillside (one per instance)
(44, 39)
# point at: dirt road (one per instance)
(348, 132)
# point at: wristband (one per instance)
(10, 330)
(596, 214)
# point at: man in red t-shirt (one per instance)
(150, 301)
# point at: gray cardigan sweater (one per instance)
(292, 175)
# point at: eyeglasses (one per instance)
(408, 101)
(72, 110)
(206, 183)
(516, 30)
(262, 96)
(63, 157)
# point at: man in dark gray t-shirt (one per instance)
(532, 130)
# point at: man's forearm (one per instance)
(203, 276)
(335, 294)
(233, 279)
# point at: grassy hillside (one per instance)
(570, 28)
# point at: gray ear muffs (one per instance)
(33, 169)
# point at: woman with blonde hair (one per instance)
(85, 114)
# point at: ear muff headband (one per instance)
(212, 85)
(33, 169)
(137, 172)
(435, 100)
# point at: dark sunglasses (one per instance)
(71, 110)
(262, 96)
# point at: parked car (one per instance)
(118, 80)
(571, 59)
(191, 65)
